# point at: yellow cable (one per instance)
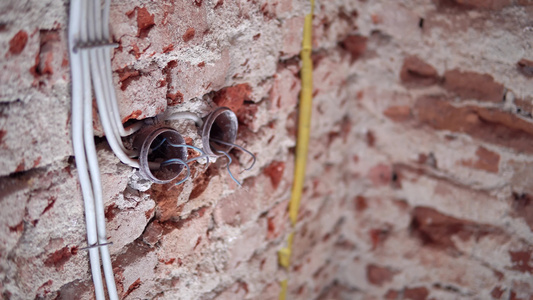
(302, 143)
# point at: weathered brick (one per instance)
(355, 45)
(233, 97)
(380, 175)
(416, 72)
(18, 42)
(145, 22)
(398, 113)
(378, 275)
(488, 124)
(480, 4)
(525, 66)
(472, 85)
(486, 160)
(523, 208)
(437, 229)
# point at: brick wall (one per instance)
(419, 180)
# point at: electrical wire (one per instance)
(78, 93)
(238, 147)
(113, 137)
(185, 115)
(94, 27)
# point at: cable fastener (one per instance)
(94, 45)
(96, 246)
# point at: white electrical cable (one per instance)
(93, 160)
(96, 62)
(78, 88)
(114, 111)
(185, 115)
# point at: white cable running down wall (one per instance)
(87, 24)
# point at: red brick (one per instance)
(152, 233)
(166, 197)
(523, 208)
(233, 97)
(437, 229)
(174, 99)
(524, 106)
(379, 235)
(133, 116)
(277, 218)
(497, 292)
(355, 45)
(522, 261)
(275, 172)
(126, 76)
(525, 66)
(489, 124)
(472, 85)
(416, 72)
(398, 113)
(18, 42)
(487, 160)
(415, 293)
(380, 175)
(246, 114)
(135, 285)
(360, 203)
(189, 34)
(202, 182)
(480, 4)
(145, 22)
(58, 258)
(377, 275)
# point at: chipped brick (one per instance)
(472, 85)
(188, 35)
(380, 175)
(416, 72)
(275, 172)
(378, 275)
(522, 261)
(488, 124)
(18, 42)
(145, 22)
(355, 45)
(497, 292)
(174, 99)
(523, 208)
(415, 293)
(398, 113)
(437, 229)
(126, 76)
(233, 97)
(486, 160)
(478, 4)
(202, 182)
(58, 258)
(525, 66)
(360, 203)
(135, 285)
(133, 116)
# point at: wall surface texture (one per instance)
(420, 176)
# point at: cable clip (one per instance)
(94, 45)
(96, 246)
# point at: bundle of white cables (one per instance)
(89, 24)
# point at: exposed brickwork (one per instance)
(418, 182)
